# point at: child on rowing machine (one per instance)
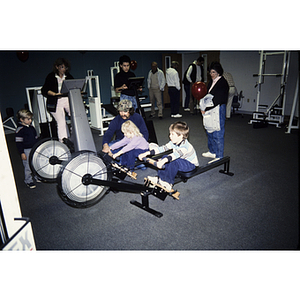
(183, 158)
(131, 145)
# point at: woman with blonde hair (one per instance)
(130, 146)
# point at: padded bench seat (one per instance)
(187, 175)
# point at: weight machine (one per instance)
(274, 113)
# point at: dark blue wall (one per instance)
(16, 75)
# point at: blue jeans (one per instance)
(27, 172)
(131, 98)
(128, 159)
(216, 139)
(168, 174)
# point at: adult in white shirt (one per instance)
(173, 83)
(156, 85)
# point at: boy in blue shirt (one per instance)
(25, 138)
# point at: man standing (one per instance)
(193, 73)
(173, 83)
(156, 85)
(122, 83)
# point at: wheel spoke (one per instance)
(101, 172)
(42, 154)
(63, 154)
(71, 191)
(72, 172)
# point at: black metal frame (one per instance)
(146, 190)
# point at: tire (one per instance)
(46, 157)
(70, 186)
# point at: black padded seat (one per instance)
(187, 175)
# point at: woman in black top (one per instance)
(218, 87)
(57, 104)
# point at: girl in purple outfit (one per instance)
(130, 146)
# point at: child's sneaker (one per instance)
(157, 180)
(165, 184)
(31, 185)
(153, 179)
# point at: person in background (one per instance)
(193, 73)
(121, 82)
(231, 93)
(25, 138)
(57, 103)
(132, 144)
(173, 83)
(218, 88)
(156, 85)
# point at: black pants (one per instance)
(174, 100)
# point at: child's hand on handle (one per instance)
(114, 156)
(143, 155)
(161, 163)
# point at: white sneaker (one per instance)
(157, 180)
(176, 116)
(208, 154)
(186, 109)
(216, 159)
(153, 179)
(165, 184)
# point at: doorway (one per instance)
(167, 58)
(185, 59)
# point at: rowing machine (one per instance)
(181, 177)
(85, 177)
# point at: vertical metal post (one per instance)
(81, 132)
(261, 64)
(294, 108)
(284, 75)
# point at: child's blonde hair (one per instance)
(24, 113)
(130, 127)
(180, 128)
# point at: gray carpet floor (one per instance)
(256, 209)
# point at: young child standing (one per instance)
(26, 137)
(132, 144)
(183, 158)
